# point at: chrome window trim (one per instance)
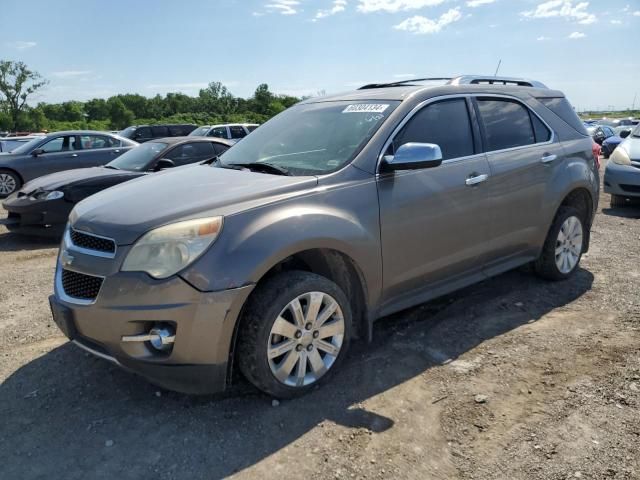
(87, 251)
(59, 288)
(464, 96)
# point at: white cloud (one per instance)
(284, 7)
(392, 6)
(576, 35)
(636, 13)
(616, 22)
(478, 3)
(542, 38)
(338, 6)
(420, 25)
(71, 73)
(177, 86)
(565, 9)
(21, 44)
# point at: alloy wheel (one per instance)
(569, 245)
(7, 184)
(305, 339)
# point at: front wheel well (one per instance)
(10, 170)
(333, 265)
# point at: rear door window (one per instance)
(160, 131)
(507, 124)
(218, 132)
(93, 142)
(444, 123)
(237, 132)
(191, 152)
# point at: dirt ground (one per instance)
(514, 378)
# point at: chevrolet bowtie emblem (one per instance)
(66, 259)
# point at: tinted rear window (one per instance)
(562, 108)
(506, 123)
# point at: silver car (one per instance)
(622, 173)
(337, 212)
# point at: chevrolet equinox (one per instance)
(338, 211)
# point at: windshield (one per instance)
(200, 132)
(636, 132)
(312, 139)
(28, 146)
(138, 158)
(127, 132)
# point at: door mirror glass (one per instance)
(37, 152)
(625, 133)
(413, 156)
(163, 164)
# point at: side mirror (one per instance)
(163, 164)
(413, 156)
(625, 133)
(37, 152)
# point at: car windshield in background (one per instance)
(27, 147)
(199, 132)
(138, 158)
(312, 139)
(127, 132)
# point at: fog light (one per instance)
(161, 337)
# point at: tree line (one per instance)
(213, 104)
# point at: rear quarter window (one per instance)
(563, 109)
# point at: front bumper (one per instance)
(623, 180)
(130, 303)
(36, 217)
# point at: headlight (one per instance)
(620, 156)
(45, 195)
(167, 250)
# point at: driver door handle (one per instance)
(74, 155)
(548, 158)
(475, 179)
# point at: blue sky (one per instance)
(95, 48)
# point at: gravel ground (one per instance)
(513, 378)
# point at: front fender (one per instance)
(342, 218)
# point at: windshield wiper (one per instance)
(211, 160)
(111, 167)
(264, 166)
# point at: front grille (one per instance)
(79, 285)
(630, 188)
(91, 242)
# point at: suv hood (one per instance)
(128, 210)
(55, 181)
(632, 146)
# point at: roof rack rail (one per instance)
(462, 80)
(491, 80)
(404, 82)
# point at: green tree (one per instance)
(119, 115)
(17, 83)
(97, 109)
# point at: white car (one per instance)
(229, 131)
(9, 143)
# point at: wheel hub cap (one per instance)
(7, 184)
(305, 339)
(569, 245)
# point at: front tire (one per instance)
(9, 183)
(563, 247)
(294, 334)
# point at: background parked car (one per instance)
(11, 143)
(43, 205)
(622, 174)
(144, 133)
(58, 151)
(602, 133)
(230, 131)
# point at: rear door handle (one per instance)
(476, 179)
(548, 158)
(74, 155)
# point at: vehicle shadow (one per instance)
(59, 410)
(13, 242)
(629, 211)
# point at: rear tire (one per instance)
(618, 201)
(563, 246)
(9, 183)
(286, 346)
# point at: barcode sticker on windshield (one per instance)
(366, 108)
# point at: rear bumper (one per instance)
(131, 303)
(623, 180)
(36, 217)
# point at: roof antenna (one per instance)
(499, 63)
